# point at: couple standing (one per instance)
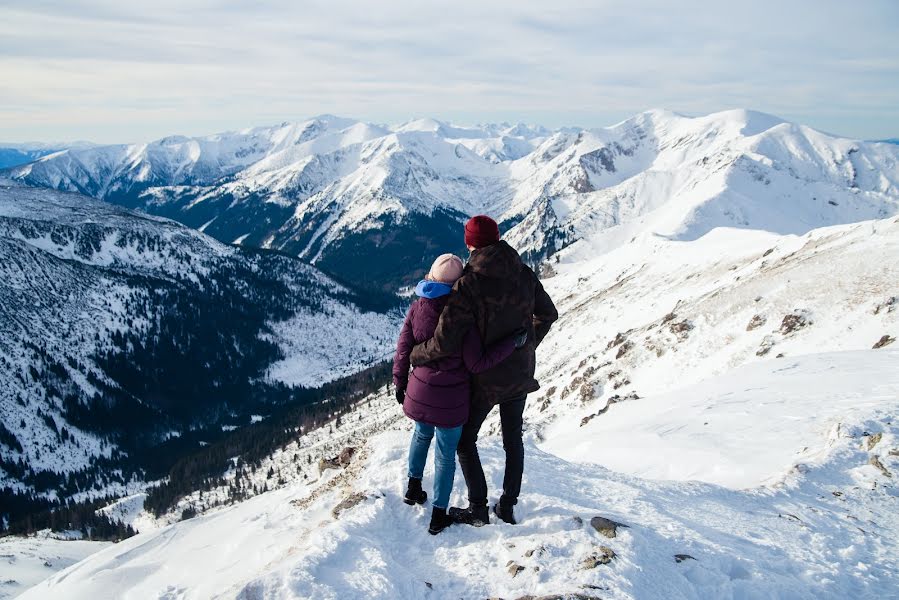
(471, 338)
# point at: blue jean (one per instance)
(444, 458)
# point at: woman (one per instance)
(437, 395)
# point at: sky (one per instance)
(136, 71)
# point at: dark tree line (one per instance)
(189, 354)
(40, 514)
(203, 469)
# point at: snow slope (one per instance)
(827, 530)
(775, 475)
(747, 428)
(25, 562)
(655, 315)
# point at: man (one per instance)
(498, 294)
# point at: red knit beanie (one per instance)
(481, 231)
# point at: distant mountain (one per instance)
(372, 204)
(12, 155)
(121, 333)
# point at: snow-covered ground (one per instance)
(826, 529)
(331, 343)
(747, 428)
(29, 560)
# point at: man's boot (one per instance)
(505, 513)
(414, 493)
(475, 515)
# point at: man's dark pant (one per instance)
(510, 414)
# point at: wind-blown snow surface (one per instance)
(27, 561)
(826, 530)
(333, 190)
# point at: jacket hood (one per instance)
(496, 260)
(432, 289)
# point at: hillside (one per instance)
(827, 530)
(665, 405)
(371, 203)
(127, 340)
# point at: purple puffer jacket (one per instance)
(439, 393)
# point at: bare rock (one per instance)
(682, 557)
(874, 439)
(514, 568)
(606, 527)
(346, 456)
(766, 345)
(755, 322)
(347, 503)
(620, 338)
(680, 329)
(624, 349)
(798, 319)
(886, 340)
(601, 556)
(875, 462)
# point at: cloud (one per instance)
(114, 71)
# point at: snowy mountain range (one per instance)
(12, 155)
(721, 383)
(371, 203)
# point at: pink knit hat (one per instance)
(446, 269)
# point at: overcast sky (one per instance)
(123, 71)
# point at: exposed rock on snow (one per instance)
(755, 322)
(603, 555)
(606, 527)
(886, 340)
(347, 503)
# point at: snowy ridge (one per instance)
(331, 190)
(824, 533)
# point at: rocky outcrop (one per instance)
(606, 527)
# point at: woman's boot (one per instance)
(439, 521)
(414, 493)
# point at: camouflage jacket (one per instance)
(498, 294)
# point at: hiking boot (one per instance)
(414, 493)
(505, 513)
(439, 521)
(475, 516)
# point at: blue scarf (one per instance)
(432, 289)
